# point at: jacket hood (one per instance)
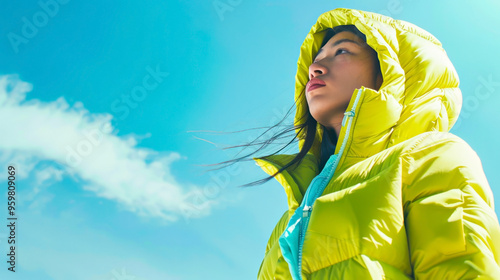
(419, 93)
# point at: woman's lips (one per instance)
(315, 86)
(315, 83)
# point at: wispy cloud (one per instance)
(84, 145)
(48, 175)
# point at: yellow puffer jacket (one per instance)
(408, 200)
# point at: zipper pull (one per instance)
(347, 115)
(306, 211)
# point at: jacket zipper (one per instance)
(307, 209)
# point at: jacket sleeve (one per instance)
(268, 264)
(452, 229)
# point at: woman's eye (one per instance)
(339, 51)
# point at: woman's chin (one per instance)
(326, 114)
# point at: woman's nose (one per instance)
(316, 70)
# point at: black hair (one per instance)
(306, 130)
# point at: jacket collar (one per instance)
(419, 93)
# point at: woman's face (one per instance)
(342, 65)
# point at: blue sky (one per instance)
(103, 105)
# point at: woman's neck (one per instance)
(332, 135)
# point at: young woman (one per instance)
(379, 189)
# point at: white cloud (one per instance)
(85, 146)
(24, 162)
(48, 175)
